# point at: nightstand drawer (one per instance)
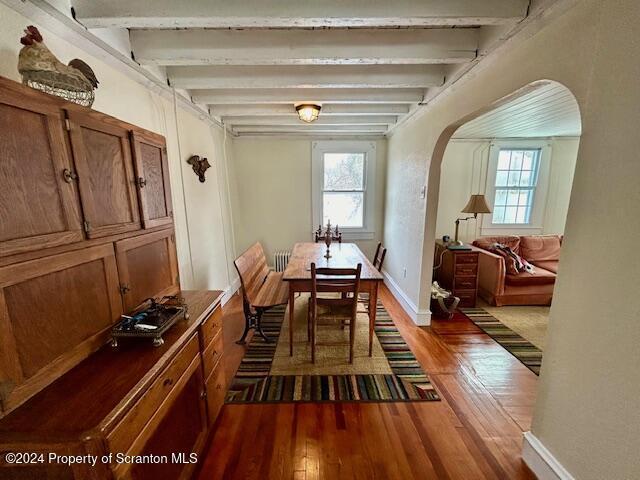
(464, 283)
(466, 258)
(470, 270)
(467, 297)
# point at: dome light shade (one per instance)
(308, 112)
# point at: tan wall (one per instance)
(589, 390)
(464, 171)
(198, 212)
(273, 199)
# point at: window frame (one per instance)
(536, 218)
(319, 149)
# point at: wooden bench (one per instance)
(262, 288)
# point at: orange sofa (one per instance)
(499, 287)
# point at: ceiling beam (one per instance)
(311, 128)
(321, 95)
(307, 76)
(296, 14)
(304, 47)
(322, 120)
(327, 109)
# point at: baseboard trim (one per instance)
(541, 461)
(230, 291)
(421, 318)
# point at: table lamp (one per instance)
(476, 204)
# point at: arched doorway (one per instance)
(515, 159)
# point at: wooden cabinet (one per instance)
(152, 170)
(458, 272)
(148, 267)
(63, 285)
(102, 155)
(54, 311)
(39, 205)
(136, 400)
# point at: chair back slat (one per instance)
(253, 270)
(338, 280)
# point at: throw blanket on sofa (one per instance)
(514, 263)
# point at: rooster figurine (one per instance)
(40, 69)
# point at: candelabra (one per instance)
(328, 235)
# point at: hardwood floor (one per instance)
(475, 432)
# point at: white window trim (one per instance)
(367, 231)
(536, 223)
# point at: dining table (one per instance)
(342, 255)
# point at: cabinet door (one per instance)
(38, 208)
(148, 267)
(54, 312)
(102, 154)
(181, 431)
(152, 169)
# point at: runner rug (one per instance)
(528, 354)
(404, 379)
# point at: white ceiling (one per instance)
(368, 62)
(548, 111)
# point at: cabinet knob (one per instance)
(167, 382)
(141, 182)
(124, 289)
(69, 175)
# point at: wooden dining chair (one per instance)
(338, 311)
(378, 258)
(378, 261)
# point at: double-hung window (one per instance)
(517, 184)
(343, 189)
(343, 182)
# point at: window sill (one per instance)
(354, 235)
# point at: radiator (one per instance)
(281, 259)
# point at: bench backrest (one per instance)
(252, 268)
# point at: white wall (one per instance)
(464, 172)
(201, 211)
(589, 390)
(273, 193)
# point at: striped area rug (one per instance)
(252, 382)
(528, 354)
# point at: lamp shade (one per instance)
(476, 204)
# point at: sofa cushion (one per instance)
(540, 247)
(539, 276)
(511, 241)
(551, 265)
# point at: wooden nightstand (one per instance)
(458, 273)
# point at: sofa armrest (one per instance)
(491, 273)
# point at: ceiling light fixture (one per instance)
(308, 112)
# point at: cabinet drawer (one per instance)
(123, 435)
(212, 354)
(210, 327)
(467, 297)
(463, 270)
(465, 283)
(466, 258)
(216, 389)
